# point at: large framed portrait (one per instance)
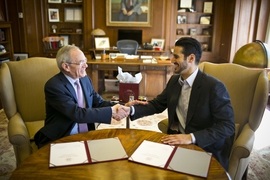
(117, 10)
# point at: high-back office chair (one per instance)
(52, 45)
(248, 89)
(127, 46)
(22, 95)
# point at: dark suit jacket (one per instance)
(210, 115)
(62, 110)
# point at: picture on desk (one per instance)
(136, 13)
(102, 42)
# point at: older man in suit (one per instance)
(72, 105)
(199, 107)
(129, 8)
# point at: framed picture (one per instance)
(204, 46)
(193, 31)
(158, 42)
(206, 31)
(207, 7)
(79, 0)
(141, 17)
(54, 1)
(66, 41)
(186, 4)
(53, 15)
(179, 31)
(73, 15)
(205, 19)
(20, 56)
(181, 19)
(102, 42)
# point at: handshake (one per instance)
(119, 111)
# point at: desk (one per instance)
(111, 50)
(154, 76)
(36, 166)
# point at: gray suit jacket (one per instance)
(210, 115)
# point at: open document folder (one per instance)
(86, 152)
(173, 158)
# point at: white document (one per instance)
(106, 149)
(63, 154)
(152, 153)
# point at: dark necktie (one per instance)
(128, 4)
(82, 126)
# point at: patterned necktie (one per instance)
(182, 107)
(82, 126)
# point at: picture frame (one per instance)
(193, 31)
(79, 1)
(158, 42)
(181, 19)
(205, 31)
(179, 32)
(53, 14)
(207, 7)
(73, 15)
(205, 20)
(67, 39)
(20, 56)
(204, 46)
(186, 4)
(102, 42)
(54, 1)
(142, 17)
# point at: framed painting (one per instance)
(116, 13)
(102, 42)
(53, 15)
(158, 42)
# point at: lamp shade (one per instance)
(255, 54)
(98, 32)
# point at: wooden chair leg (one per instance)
(244, 177)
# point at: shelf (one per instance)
(194, 24)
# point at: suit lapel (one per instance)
(194, 96)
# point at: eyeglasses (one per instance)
(81, 63)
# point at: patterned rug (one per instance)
(259, 167)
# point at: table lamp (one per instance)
(96, 33)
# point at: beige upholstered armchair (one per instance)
(22, 95)
(248, 89)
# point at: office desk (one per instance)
(36, 166)
(93, 52)
(154, 76)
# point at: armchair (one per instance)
(22, 95)
(248, 89)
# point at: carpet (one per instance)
(259, 167)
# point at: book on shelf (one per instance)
(86, 152)
(173, 158)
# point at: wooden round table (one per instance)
(36, 166)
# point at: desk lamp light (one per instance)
(96, 33)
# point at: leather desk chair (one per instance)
(52, 45)
(127, 46)
(22, 95)
(248, 89)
